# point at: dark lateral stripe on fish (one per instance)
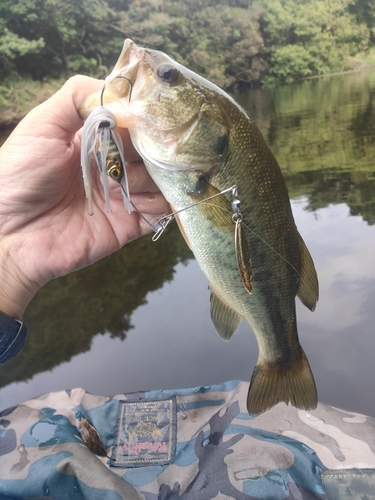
(271, 385)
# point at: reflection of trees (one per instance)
(329, 187)
(322, 133)
(67, 313)
(362, 201)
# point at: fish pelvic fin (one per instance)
(225, 319)
(292, 384)
(308, 291)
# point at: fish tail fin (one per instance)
(272, 384)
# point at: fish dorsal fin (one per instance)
(225, 319)
(308, 291)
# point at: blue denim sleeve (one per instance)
(13, 333)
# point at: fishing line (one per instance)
(154, 227)
(271, 248)
(163, 222)
(166, 219)
(235, 216)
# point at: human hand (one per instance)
(45, 228)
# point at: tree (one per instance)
(312, 37)
(13, 47)
(72, 36)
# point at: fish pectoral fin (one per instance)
(308, 291)
(225, 319)
(272, 384)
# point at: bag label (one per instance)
(146, 433)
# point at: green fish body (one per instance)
(196, 141)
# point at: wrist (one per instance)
(16, 291)
(14, 298)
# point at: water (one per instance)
(140, 318)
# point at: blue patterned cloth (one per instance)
(197, 443)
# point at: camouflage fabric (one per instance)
(197, 443)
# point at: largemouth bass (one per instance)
(196, 141)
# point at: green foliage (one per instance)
(13, 46)
(72, 36)
(312, 37)
(228, 41)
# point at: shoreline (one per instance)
(37, 92)
(339, 73)
(18, 97)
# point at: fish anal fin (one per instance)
(292, 384)
(308, 291)
(225, 319)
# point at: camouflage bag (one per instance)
(198, 443)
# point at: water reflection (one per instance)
(67, 313)
(322, 132)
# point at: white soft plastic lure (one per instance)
(97, 134)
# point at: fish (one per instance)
(196, 142)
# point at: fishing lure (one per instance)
(241, 244)
(101, 140)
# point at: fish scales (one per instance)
(196, 142)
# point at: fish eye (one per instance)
(167, 73)
(115, 173)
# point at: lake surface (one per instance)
(140, 319)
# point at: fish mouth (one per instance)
(120, 83)
(118, 86)
(128, 62)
